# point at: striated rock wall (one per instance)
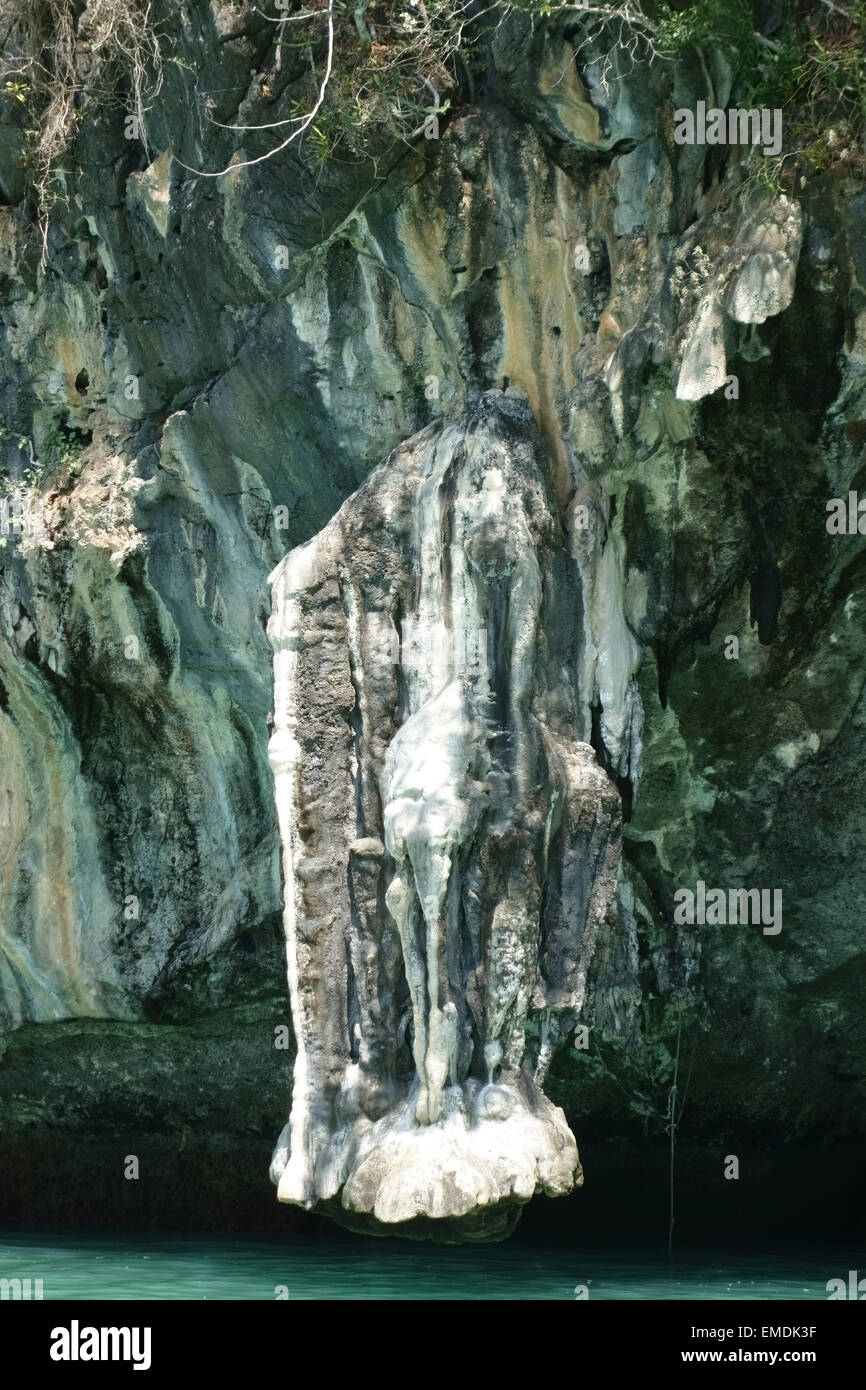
(203, 373)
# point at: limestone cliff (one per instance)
(646, 368)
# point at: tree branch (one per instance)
(306, 121)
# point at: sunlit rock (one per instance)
(450, 842)
(703, 366)
(765, 285)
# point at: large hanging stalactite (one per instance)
(450, 843)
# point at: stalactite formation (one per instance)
(450, 841)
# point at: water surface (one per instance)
(137, 1265)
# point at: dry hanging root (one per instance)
(54, 62)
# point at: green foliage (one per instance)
(394, 65)
(61, 448)
(390, 64)
(17, 91)
(813, 68)
(389, 58)
(828, 94)
(761, 67)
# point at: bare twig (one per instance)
(306, 121)
(837, 9)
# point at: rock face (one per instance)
(664, 363)
(450, 841)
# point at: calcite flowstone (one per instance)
(754, 281)
(450, 843)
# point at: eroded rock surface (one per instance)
(283, 329)
(450, 841)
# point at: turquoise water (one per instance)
(133, 1265)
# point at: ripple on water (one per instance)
(146, 1266)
